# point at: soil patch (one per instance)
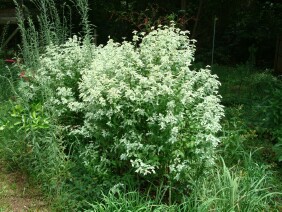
(17, 195)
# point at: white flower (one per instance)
(141, 100)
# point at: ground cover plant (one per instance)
(135, 126)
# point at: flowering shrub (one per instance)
(143, 109)
(55, 83)
(147, 110)
(43, 114)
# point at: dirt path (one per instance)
(16, 195)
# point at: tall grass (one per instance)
(30, 48)
(226, 189)
(8, 81)
(47, 28)
(28, 142)
(3, 37)
(236, 190)
(83, 10)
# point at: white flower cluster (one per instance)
(142, 101)
(55, 83)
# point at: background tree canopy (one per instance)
(246, 30)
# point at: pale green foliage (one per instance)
(144, 104)
(49, 28)
(144, 109)
(56, 81)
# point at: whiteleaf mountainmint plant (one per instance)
(144, 109)
(56, 81)
(143, 104)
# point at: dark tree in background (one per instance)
(246, 30)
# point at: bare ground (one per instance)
(17, 195)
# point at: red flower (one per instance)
(23, 76)
(10, 61)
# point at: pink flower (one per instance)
(10, 61)
(23, 76)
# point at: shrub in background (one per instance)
(55, 82)
(272, 117)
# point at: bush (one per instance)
(133, 108)
(272, 122)
(55, 83)
(146, 111)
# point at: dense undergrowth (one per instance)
(245, 175)
(137, 126)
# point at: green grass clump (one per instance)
(9, 76)
(226, 189)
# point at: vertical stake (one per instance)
(213, 39)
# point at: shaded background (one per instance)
(246, 31)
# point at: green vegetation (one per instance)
(136, 126)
